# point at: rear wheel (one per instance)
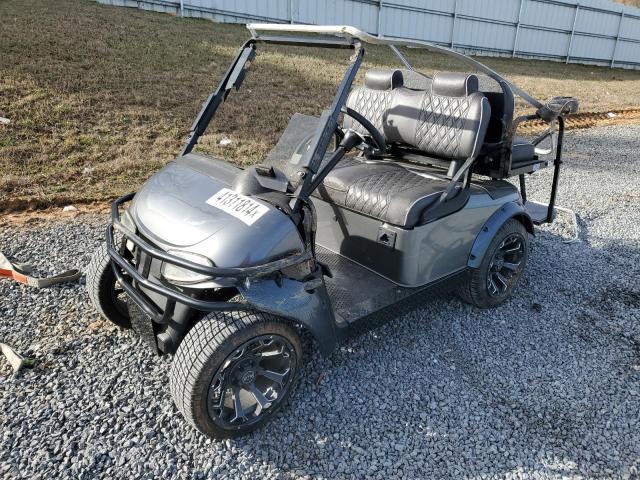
(501, 268)
(106, 294)
(234, 370)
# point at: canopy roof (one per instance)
(354, 34)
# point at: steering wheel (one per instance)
(376, 136)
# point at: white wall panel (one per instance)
(550, 43)
(547, 28)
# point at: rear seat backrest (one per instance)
(449, 121)
(373, 99)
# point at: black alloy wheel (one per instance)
(234, 370)
(501, 268)
(506, 265)
(253, 379)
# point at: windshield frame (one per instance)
(328, 124)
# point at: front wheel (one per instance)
(501, 268)
(234, 370)
(106, 294)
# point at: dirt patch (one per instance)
(32, 216)
(587, 120)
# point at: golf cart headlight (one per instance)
(127, 221)
(178, 274)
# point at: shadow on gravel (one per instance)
(548, 383)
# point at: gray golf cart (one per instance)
(394, 195)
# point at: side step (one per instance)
(357, 293)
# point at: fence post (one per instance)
(182, 8)
(515, 40)
(291, 12)
(453, 24)
(615, 47)
(380, 7)
(573, 31)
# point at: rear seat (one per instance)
(523, 153)
(448, 122)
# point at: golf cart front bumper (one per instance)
(262, 286)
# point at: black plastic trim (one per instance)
(492, 225)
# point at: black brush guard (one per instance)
(128, 275)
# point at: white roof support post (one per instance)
(452, 42)
(515, 40)
(615, 47)
(573, 31)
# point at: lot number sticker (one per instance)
(240, 206)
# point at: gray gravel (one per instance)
(547, 385)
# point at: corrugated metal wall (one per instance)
(590, 31)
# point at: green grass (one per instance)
(101, 97)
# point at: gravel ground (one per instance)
(547, 385)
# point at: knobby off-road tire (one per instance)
(216, 362)
(107, 297)
(499, 267)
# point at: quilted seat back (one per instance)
(448, 121)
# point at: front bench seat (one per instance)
(386, 191)
(449, 121)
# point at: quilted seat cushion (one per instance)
(386, 191)
(448, 121)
